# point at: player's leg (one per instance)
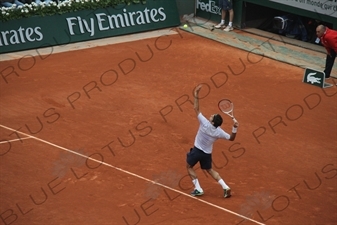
(216, 176)
(223, 14)
(191, 159)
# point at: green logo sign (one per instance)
(316, 78)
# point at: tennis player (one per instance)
(209, 131)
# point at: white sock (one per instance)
(197, 185)
(230, 24)
(222, 21)
(223, 184)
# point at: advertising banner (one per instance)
(208, 9)
(36, 32)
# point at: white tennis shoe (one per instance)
(228, 28)
(219, 25)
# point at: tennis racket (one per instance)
(226, 106)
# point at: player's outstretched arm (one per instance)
(196, 99)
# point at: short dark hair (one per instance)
(217, 120)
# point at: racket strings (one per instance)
(226, 106)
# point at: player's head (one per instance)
(216, 120)
(320, 30)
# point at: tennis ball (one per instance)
(185, 26)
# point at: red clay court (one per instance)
(100, 135)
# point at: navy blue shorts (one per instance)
(196, 155)
(226, 4)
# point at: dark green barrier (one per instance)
(36, 32)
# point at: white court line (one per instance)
(19, 139)
(136, 175)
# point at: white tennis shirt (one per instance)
(208, 134)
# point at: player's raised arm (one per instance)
(234, 130)
(196, 99)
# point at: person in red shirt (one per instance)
(328, 38)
